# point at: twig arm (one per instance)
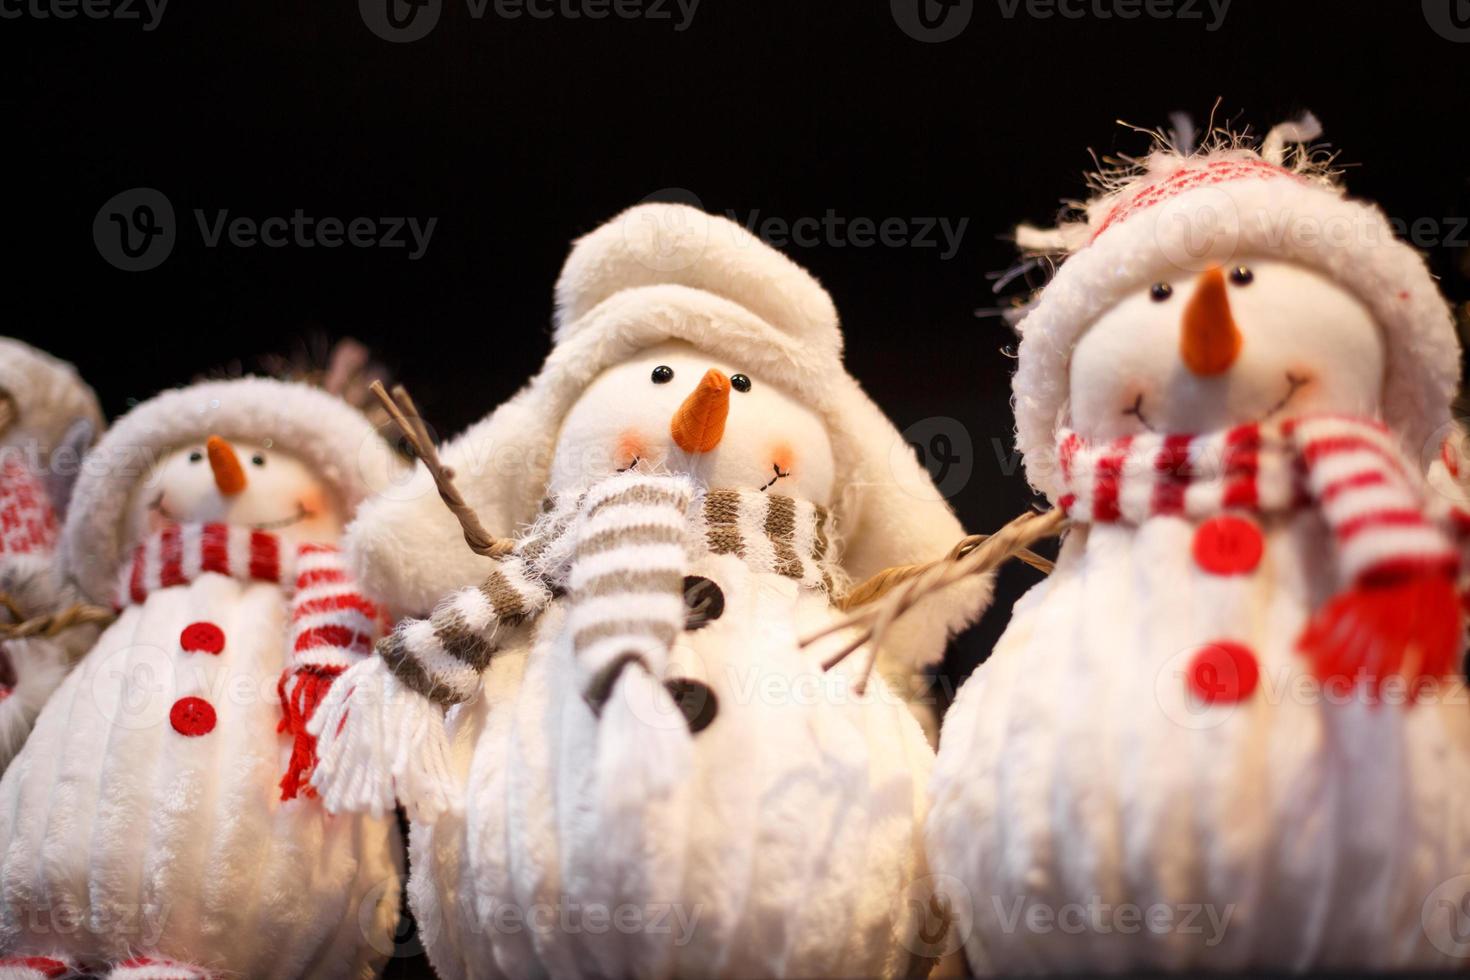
(405, 415)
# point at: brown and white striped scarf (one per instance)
(620, 552)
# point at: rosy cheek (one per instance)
(783, 457)
(313, 502)
(631, 446)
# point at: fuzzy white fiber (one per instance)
(1077, 773)
(784, 849)
(155, 843)
(49, 396)
(1303, 217)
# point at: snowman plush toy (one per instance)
(157, 823)
(48, 418)
(645, 775)
(1229, 731)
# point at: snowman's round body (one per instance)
(1104, 813)
(784, 852)
(145, 816)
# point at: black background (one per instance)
(520, 134)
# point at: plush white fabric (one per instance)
(319, 429)
(742, 302)
(181, 847)
(49, 396)
(785, 851)
(56, 413)
(41, 662)
(1075, 769)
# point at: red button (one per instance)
(192, 716)
(202, 638)
(1224, 673)
(1228, 545)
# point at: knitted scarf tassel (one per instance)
(1400, 614)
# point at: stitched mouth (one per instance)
(301, 514)
(1294, 383)
(282, 522)
(779, 476)
(636, 460)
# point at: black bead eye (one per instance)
(196, 457)
(1161, 292)
(1242, 275)
(740, 382)
(257, 460)
(663, 374)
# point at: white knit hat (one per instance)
(331, 437)
(659, 272)
(1230, 201)
(48, 394)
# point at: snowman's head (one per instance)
(238, 483)
(1258, 340)
(674, 407)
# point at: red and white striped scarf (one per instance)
(1398, 610)
(333, 625)
(28, 522)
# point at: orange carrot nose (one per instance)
(699, 424)
(229, 475)
(1210, 341)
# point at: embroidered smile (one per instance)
(779, 476)
(283, 522)
(1294, 384)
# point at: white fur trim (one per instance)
(328, 435)
(409, 551)
(1290, 218)
(48, 393)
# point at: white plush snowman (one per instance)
(48, 418)
(1229, 732)
(157, 824)
(654, 779)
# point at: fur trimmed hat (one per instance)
(1233, 199)
(49, 396)
(330, 436)
(670, 272)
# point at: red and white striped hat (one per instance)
(1232, 200)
